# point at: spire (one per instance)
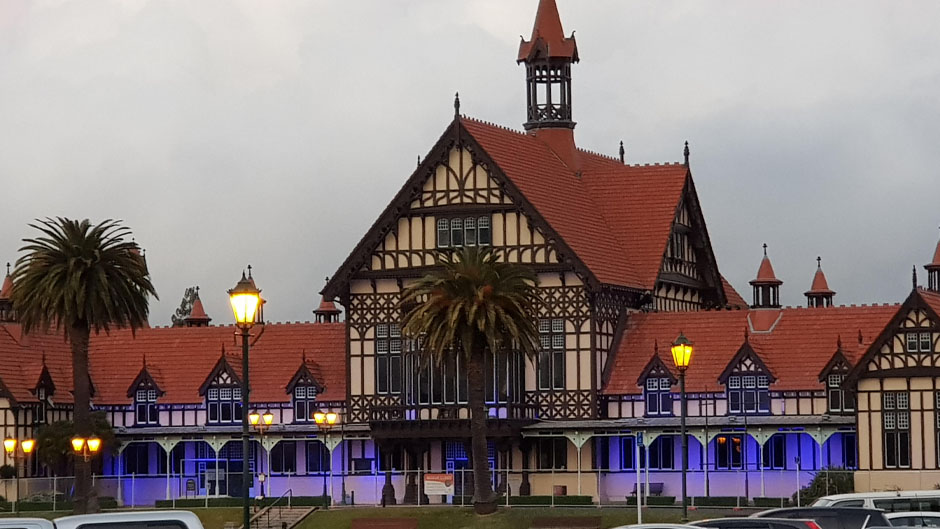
(197, 316)
(456, 104)
(327, 312)
(819, 293)
(933, 271)
(766, 285)
(548, 56)
(685, 154)
(6, 291)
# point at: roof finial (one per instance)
(622, 153)
(249, 271)
(685, 152)
(8, 268)
(303, 355)
(914, 276)
(144, 361)
(765, 249)
(419, 160)
(860, 337)
(457, 104)
(43, 357)
(655, 346)
(747, 334)
(839, 342)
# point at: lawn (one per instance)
(450, 517)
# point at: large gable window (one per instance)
(896, 421)
(463, 231)
(551, 360)
(145, 407)
(225, 406)
(918, 342)
(658, 394)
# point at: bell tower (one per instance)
(548, 56)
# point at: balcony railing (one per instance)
(430, 412)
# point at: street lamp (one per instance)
(26, 445)
(86, 447)
(682, 356)
(325, 421)
(262, 422)
(245, 299)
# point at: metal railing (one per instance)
(266, 512)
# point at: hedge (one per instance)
(64, 505)
(653, 500)
(188, 503)
(771, 502)
(531, 500)
(719, 501)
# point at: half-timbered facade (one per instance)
(624, 264)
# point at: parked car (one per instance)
(897, 501)
(832, 517)
(110, 520)
(914, 519)
(756, 523)
(656, 526)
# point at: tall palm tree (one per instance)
(472, 306)
(75, 277)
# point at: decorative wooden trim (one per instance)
(745, 351)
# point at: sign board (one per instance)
(639, 438)
(439, 484)
(191, 485)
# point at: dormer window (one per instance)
(145, 406)
(304, 403)
(839, 399)
(225, 406)
(658, 394)
(748, 394)
(918, 342)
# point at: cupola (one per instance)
(548, 56)
(6, 298)
(197, 316)
(766, 285)
(819, 294)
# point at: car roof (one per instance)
(932, 514)
(71, 522)
(657, 526)
(17, 521)
(768, 518)
(882, 494)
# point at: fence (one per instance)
(608, 487)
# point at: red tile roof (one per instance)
(198, 313)
(178, 358)
(932, 298)
(796, 348)
(935, 262)
(184, 357)
(735, 301)
(327, 307)
(617, 218)
(548, 37)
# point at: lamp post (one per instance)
(682, 356)
(245, 298)
(26, 445)
(325, 422)
(262, 422)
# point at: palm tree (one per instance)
(75, 277)
(472, 306)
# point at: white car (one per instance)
(914, 519)
(110, 520)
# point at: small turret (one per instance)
(197, 316)
(819, 293)
(766, 285)
(933, 271)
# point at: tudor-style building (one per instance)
(624, 264)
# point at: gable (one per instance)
(655, 368)
(222, 374)
(459, 180)
(308, 374)
(745, 362)
(837, 365)
(908, 345)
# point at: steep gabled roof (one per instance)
(795, 348)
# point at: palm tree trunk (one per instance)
(81, 413)
(484, 501)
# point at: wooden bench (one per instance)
(384, 523)
(656, 489)
(567, 522)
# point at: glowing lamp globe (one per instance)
(9, 445)
(94, 444)
(268, 418)
(27, 445)
(78, 444)
(245, 299)
(253, 418)
(682, 352)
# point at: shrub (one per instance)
(7, 472)
(653, 500)
(719, 501)
(531, 500)
(827, 481)
(189, 503)
(771, 502)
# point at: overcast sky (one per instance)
(274, 133)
